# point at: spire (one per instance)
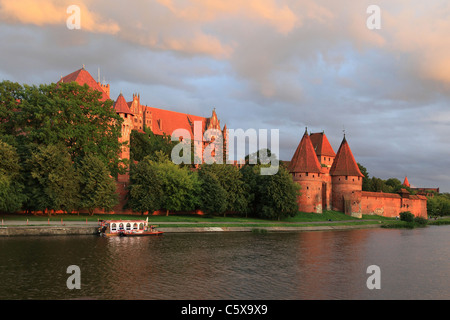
(406, 182)
(305, 159)
(344, 163)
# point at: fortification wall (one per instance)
(390, 204)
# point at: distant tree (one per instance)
(10, 95)
(145, 190)
(213, 197)
(97, 186)
(393, 185)
(269, 196)
(230, 179)
(438, 205)
(278, 195)
(251, 179)
(53, 183)
(67, 114)
(147, 144)
(180, 186)
(11, 185)
(366, 182)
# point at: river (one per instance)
(413, 264)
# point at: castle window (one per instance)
(346, 178)
(307, 188)
(307, 174)
(313, 176)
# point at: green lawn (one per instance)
(300, 217)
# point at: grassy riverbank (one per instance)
(173, 221)
(328, 219)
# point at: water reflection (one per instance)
(304, 265)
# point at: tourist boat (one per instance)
(127, 228)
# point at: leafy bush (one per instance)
(420, 221)
(406, 216)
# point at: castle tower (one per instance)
(306, 171)
(347, 181)
(122, 109)
(325, 155)
(406, 182)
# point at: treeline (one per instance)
(439, 205)
(374, 184)
(58, 148)
(156, 183)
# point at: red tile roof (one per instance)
(82, 77)
(305, 159)
(321, 145)
(344, 164)
(165, 121)
(121, 105)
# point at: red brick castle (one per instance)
(328, 180)
(333, 181)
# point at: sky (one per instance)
(262, 64)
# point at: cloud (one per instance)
(282, 64)
(52, 12)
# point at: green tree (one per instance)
(11, 185)
(147, 144)
(230, 179)
(278, 195)
(145, 191)
(366, 182)
(97, 186)
(53, 183)
(70, 115)
(213, 198)
(180, 186)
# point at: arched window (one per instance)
(128, 226)
(113, 227)
(135, 226)
(121, 226)
(141, 226)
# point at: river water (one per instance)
(413, 264)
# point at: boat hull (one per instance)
(125, 234)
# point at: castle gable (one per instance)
(83, 77)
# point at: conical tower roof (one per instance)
(305, 159)
(121, 105)
(344, 164)
(406, 182)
